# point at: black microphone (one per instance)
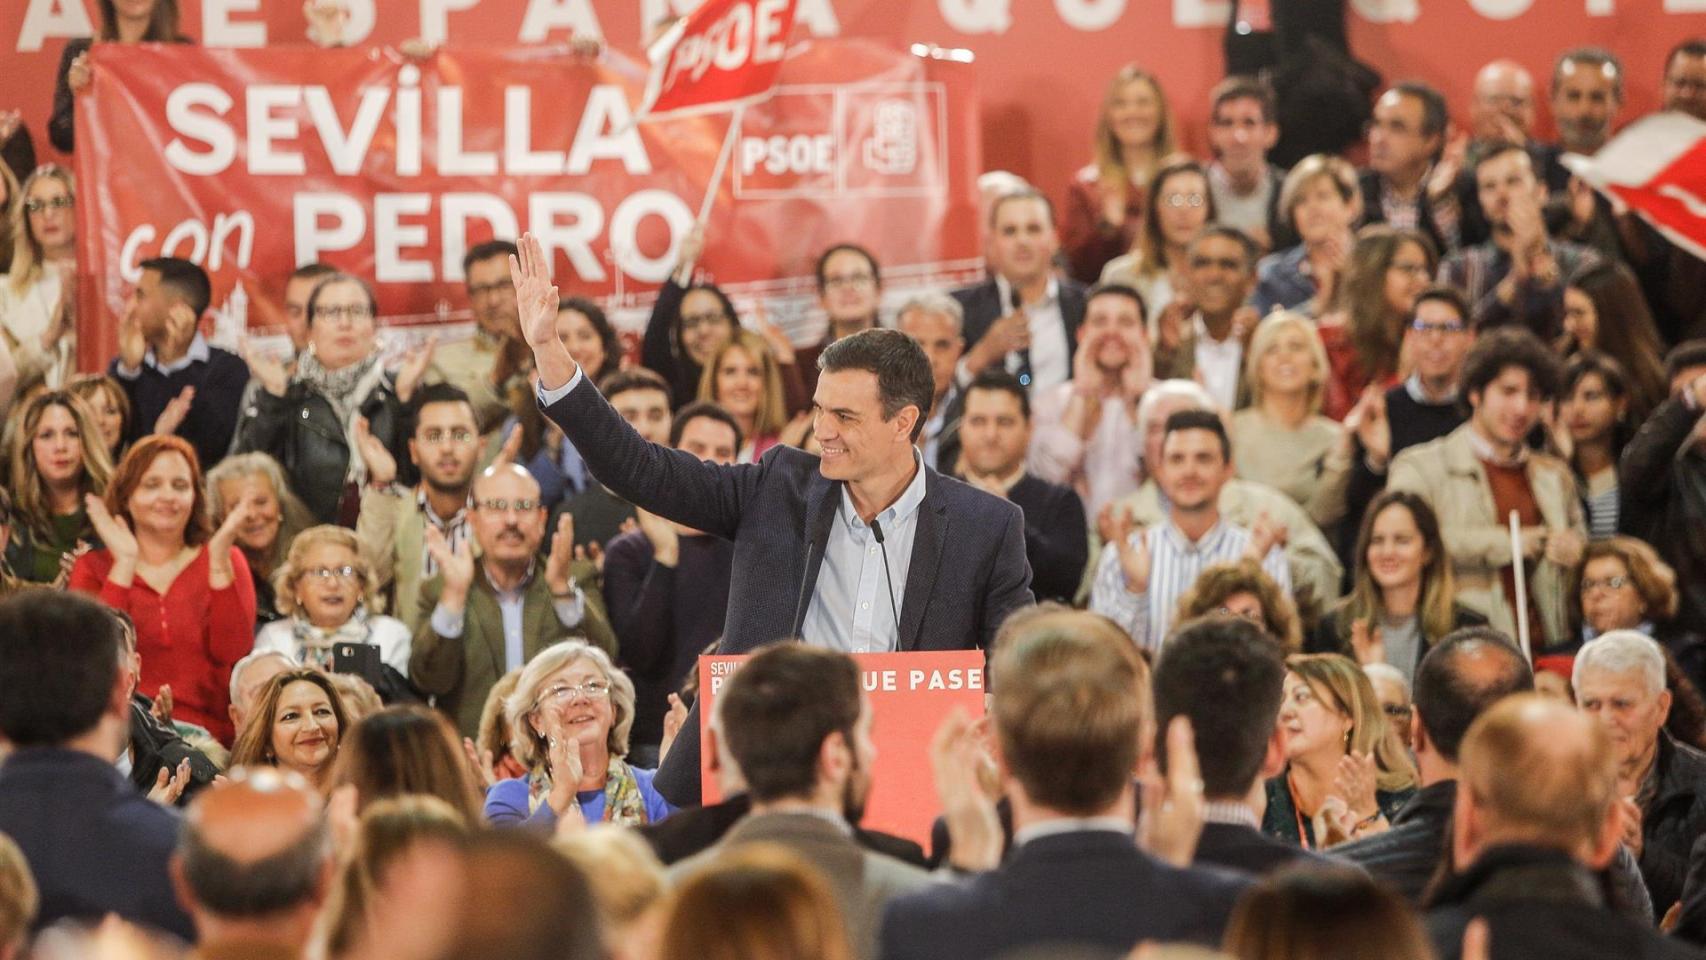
(1024, 354)
(877, 531)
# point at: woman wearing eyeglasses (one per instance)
(325, 591)
(1321, 200)
(313, 422)
(37, 298)
(1621, 584)
(570, 717)
(1364, 322)
(1179, 205)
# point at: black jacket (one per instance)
(1088, 889)
(1330, 637)
(1412, 423)
(1237, 847)
(687, 832)
(1057, 537)
(1673, 820)
(1370, 183)
(982, 305)
(1407, 856)
(154, 745)
(302, 432)
(1663, 484)
(1539, 903)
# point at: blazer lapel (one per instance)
(483, 609)
(928, 537)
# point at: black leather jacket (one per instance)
(302, 432)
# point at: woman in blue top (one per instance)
(569, 717)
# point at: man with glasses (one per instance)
(1411, 178)
(481, 618)
(849, 289)
(483, 367)
(445, 447)
(1245, 185)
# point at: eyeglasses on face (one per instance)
(1609, 583)
(61, 202)
(354, 312)
(569, 692)
(691, 321)
(852, 281)
(500, 505)
(1184, 200)
(1440, 328)
(345, 572)
(434, 438)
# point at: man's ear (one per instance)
(180, 882)
(1610, 835)
(1418, 731)
(1273, 760)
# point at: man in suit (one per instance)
(934, 321)
(1070, 702)
(1024, 317)
(481, 618)
(94, 844)
(994, 436)
(394, 519)
(850, 550)
(1227, 676)
(174, 379)
(795, 721)
(1458, 680)
(1537, 813)
(254, 866)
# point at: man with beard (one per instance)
(394, 520)
(1085, 433)
(796, 724)
(486, 366)
(994, 434)
(1204, 329)
(1685, 78)
(1139, 582)
(1587, 92)
(480, 619)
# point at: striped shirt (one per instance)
(1174, 565)
(1602, 513)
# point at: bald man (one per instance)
(483, 617)
(254, 865)
(1536, 819)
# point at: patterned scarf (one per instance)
(623, 803)
(314, 645)
(345, 389)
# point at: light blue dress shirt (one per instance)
(570, 612)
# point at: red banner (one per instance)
(252, 162)
(724, 54)
(910, 695)
(1657, 167)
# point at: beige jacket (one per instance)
(392, 531)
(468, 365)
(1448, 474)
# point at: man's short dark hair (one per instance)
(1198, 420)
(188, 281)
(1119, 290)
(313, 271)
(1244, 87)
(432, 393)
(1228, 677)
(1252, 252)
(1448, 700)
(1023, 193)
(59, 659)
(702, 410)
(635, 378)
(1435, 115)
(903, 371)
(233, 888)
(997, 378)
(1688, 353)
(870, 260)
(481, 252)
(1692, 47)
(778, 708)
(1446, 294)
(1497, 350)
(1594, 57)
(1501, 149)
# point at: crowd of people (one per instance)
(1281, 502)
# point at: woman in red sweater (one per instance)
(185, 585)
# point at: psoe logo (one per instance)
(892, 148)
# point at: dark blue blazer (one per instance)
(968, 568)
(1092, 889)
(94, 844)
(982, 305)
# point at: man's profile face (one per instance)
(1630, 712)
(847, 418)
(940, 337)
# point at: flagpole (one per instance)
(721, 168)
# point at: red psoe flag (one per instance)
(723, 55)
(1656, 167)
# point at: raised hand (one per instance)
(1265, 534)
(132, 345)
(1173, 803)
(162, 709)
(326, 21)
(1372, 427)
(114, 531)
(176, 410)
(1443, 180)
(673, 721)
(563, 760)
(510, 449)
(480, 762)
(455, 566)
(974, 828)
(665, 540)
(80, 73)
(1366, 643)
(562, 555)
(267, 369)
(381, 465)
(169, 784)
(1132, 542)
(536, 304)
(1355, 783)
(592, 553)
(415, 364)
(219, 568)
(780, 345)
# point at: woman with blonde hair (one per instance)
(276, 516)
(743, 377)
(759, 902)
(1243, 589)
(297, 724)
(1346, 772)
(37, 299)
(569, 719)
(1281, 439)
(1321, 200)
(1105, 202)
(11, 198)
(110, 405)
(628, 883)
(57, 459)
(326, 593)
(402, 751)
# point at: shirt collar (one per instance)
(199, 351)
(1209, 540)
(1484, 451)
(1055, 828)
(1200, 327)
(520, 589)
(442, 523)
(1413, 386)
(1050, 293)
(1230, 813)
(897, 512)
